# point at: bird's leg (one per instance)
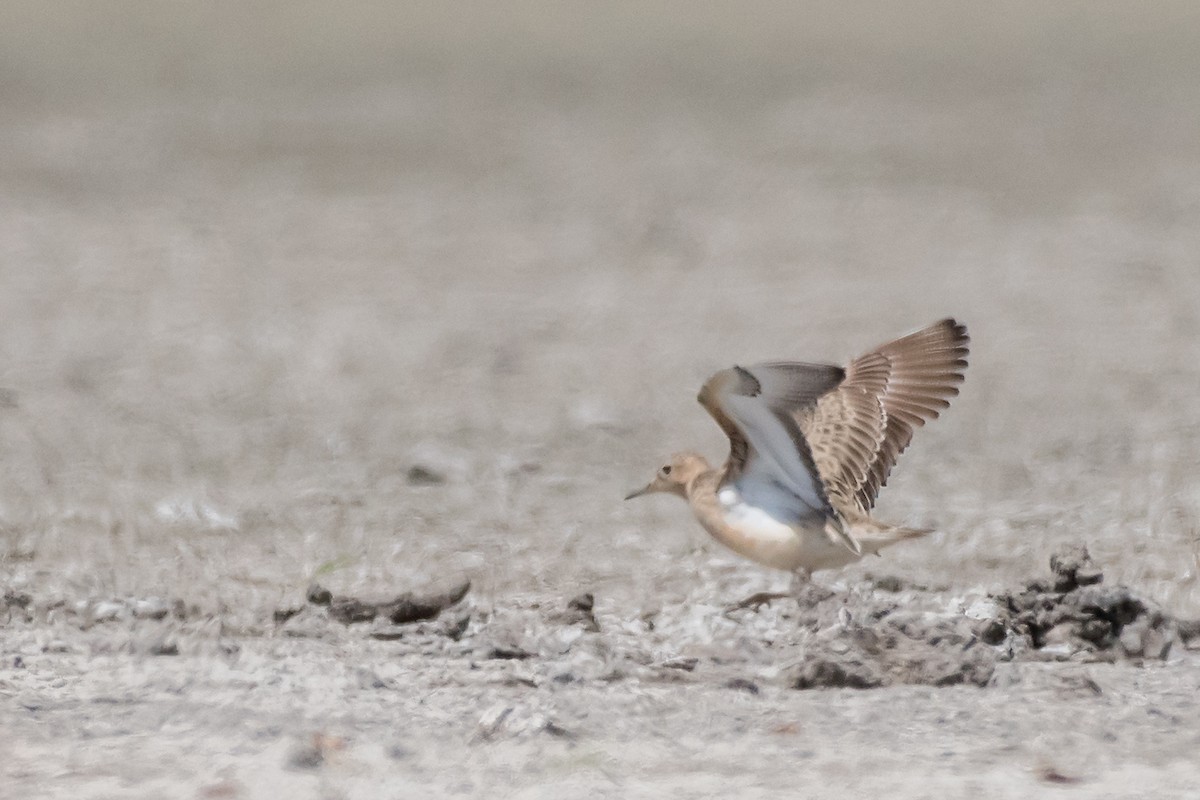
(801, 582)
(805, 591)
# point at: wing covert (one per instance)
(859, 431)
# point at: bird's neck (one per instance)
(703, 486)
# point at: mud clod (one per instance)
(1073, 567)
(413, 608)
(282, 615)
(164, 648)
(993, 632)
(901, 649)
(742, 685)
(421, 475)
(318, 595)
(830, 673)
(889, 583)
(509, 653)
(1078, 615)
(1074, 617)
(314, 752)
(349, 610)
(1189, 633)
(686, 664)
(400, 610)
(455, 629)
(579, 612)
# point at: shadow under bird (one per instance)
(810, 446)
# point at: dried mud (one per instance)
(881, 633)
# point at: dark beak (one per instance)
(638, 492)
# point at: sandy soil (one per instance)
(391, 301)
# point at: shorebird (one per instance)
(810, 446)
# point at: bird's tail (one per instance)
(873, 536)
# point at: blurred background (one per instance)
(391, 293)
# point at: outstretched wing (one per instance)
(857, 432)
(759, 408)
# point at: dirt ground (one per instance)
(387, 300)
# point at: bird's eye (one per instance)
(666, 470)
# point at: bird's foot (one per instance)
(757, 601)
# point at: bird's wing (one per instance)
(758, 408)
(857, 432)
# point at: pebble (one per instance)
(107, 611)
(151, 608)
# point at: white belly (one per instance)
(770, 526)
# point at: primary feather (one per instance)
(857, 431)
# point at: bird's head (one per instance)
(674, 476)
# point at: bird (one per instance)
(810, 447)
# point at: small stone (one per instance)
(584, 602)
(1131, 640)
(16, 599)
(826, 673)
(1059, 651)
(370, 679)
(1156, 642)
(151, 608)
(106, 611)
(889, 583)
(421, 475)
(1051, 774)
(742, 684)
(1189, 632)
(411, 608)
(982, 609)
(492, 721)
(1095, 630)
(559, 732)
(1061, 634)
(970, 672)
(687, 664)
(580, 612)
(1082, 684)
(509, 653)
(306, 756)
(1068, 562)
(388, 634)
(164, 648)
(318, 595)
(455, 629)
(520, 680)
(1118, 605)
(993, 632)
(349, 610)
(282, 615)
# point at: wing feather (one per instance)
(858, 431)
(833, 435)
(757, 409)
